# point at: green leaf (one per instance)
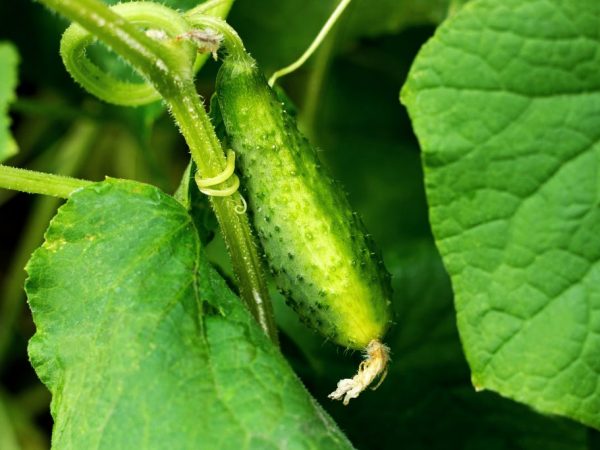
(505, 100)
(426, 400)
(9, 60)
(117, 292)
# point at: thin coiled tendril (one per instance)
(206, 185)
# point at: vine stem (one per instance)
(170, 71)
(39, 182)
(197, 129)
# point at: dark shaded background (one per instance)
(347, 100)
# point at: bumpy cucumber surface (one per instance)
(323, 261)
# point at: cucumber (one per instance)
(323, 260)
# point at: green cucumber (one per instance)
(323, 260)
(317, 247)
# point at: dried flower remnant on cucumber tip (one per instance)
(207, 40)
(374, 365)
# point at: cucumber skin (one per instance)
(323, 261)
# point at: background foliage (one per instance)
(348, 103)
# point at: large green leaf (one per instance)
(9, 59)
(426, 400)
(117, 293)
(505, 101)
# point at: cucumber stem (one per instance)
(195, 125)
(39, 182)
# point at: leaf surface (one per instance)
(505, 101)
(9, 60)
(117, 292)
(426, 400)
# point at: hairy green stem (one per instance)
(205, 147)
(39, 182)
(200, 134)
(168, 67)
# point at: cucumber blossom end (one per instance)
(374, 365)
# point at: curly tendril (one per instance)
(206, 184)
(161, 24)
